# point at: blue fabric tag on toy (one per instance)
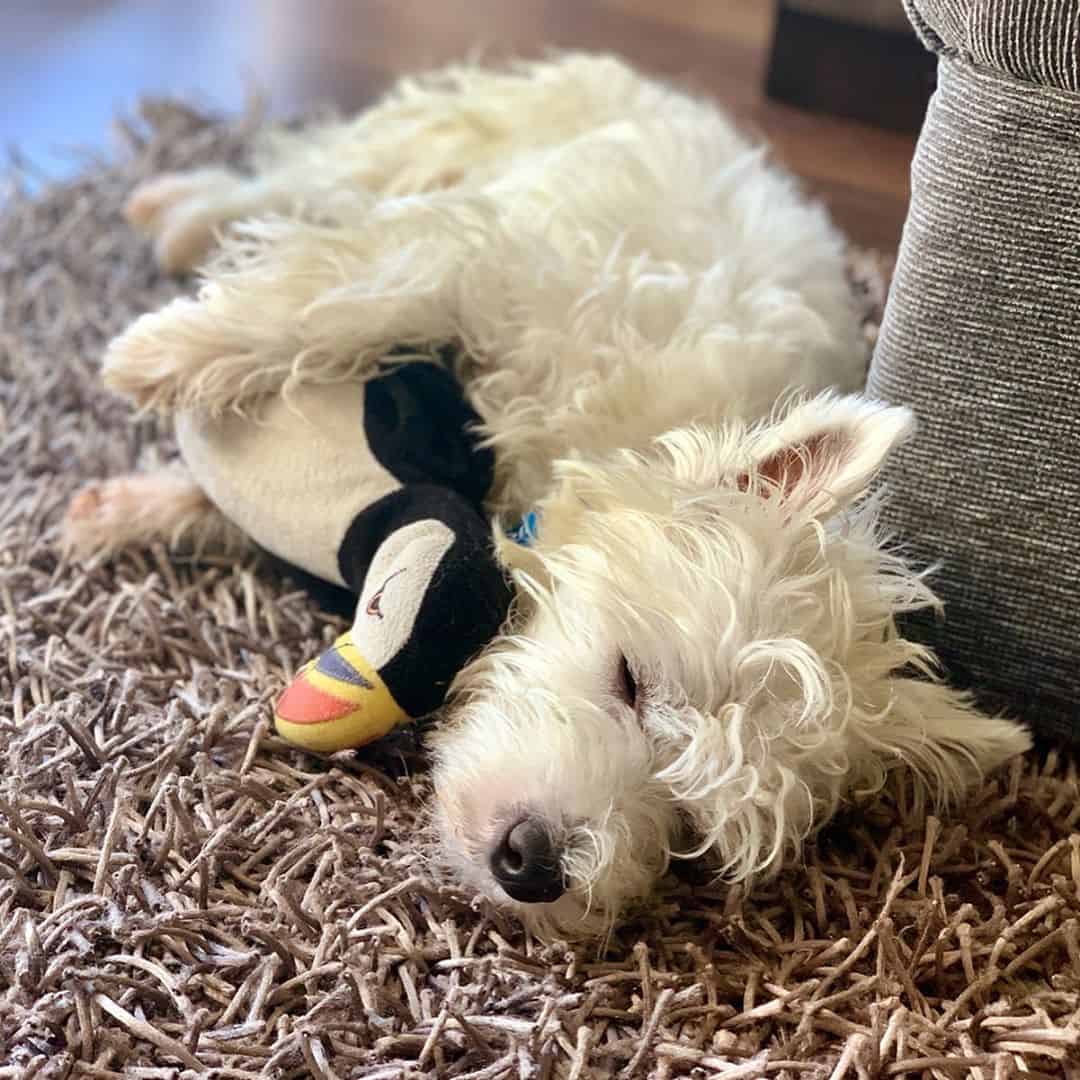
(524, 533)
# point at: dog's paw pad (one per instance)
(151, 200)
(85, 504)
(97, 516)
(183, 211)
(182, 245)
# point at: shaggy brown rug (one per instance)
(181, 893)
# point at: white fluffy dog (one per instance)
(703, 654)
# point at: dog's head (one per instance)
(705, 658)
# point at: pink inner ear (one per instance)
(790, 467)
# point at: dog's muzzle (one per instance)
(525, 863)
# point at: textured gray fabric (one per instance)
(884, 14)
(1035, 40)
(980, 336)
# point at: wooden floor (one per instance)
(66, 65)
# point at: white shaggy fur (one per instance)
(635, 288)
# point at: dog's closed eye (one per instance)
(626, 686)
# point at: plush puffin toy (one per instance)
(376, 486)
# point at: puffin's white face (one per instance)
(400, 577)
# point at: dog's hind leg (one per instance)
(430, 133)
(184, 211)
(138, 509)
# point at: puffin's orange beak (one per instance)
(337, 702)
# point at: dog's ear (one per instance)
(941, 735)
(824, 452)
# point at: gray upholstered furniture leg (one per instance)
(982, 338)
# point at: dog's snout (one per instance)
(525, 863)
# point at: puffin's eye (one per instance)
(374, 605)
(625, 683)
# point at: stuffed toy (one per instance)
(377, 486)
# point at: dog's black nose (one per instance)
(526, 864)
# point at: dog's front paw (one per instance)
(139, 363)
(184, 211)
(162, 358)
(99, 517)
(137, 509)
